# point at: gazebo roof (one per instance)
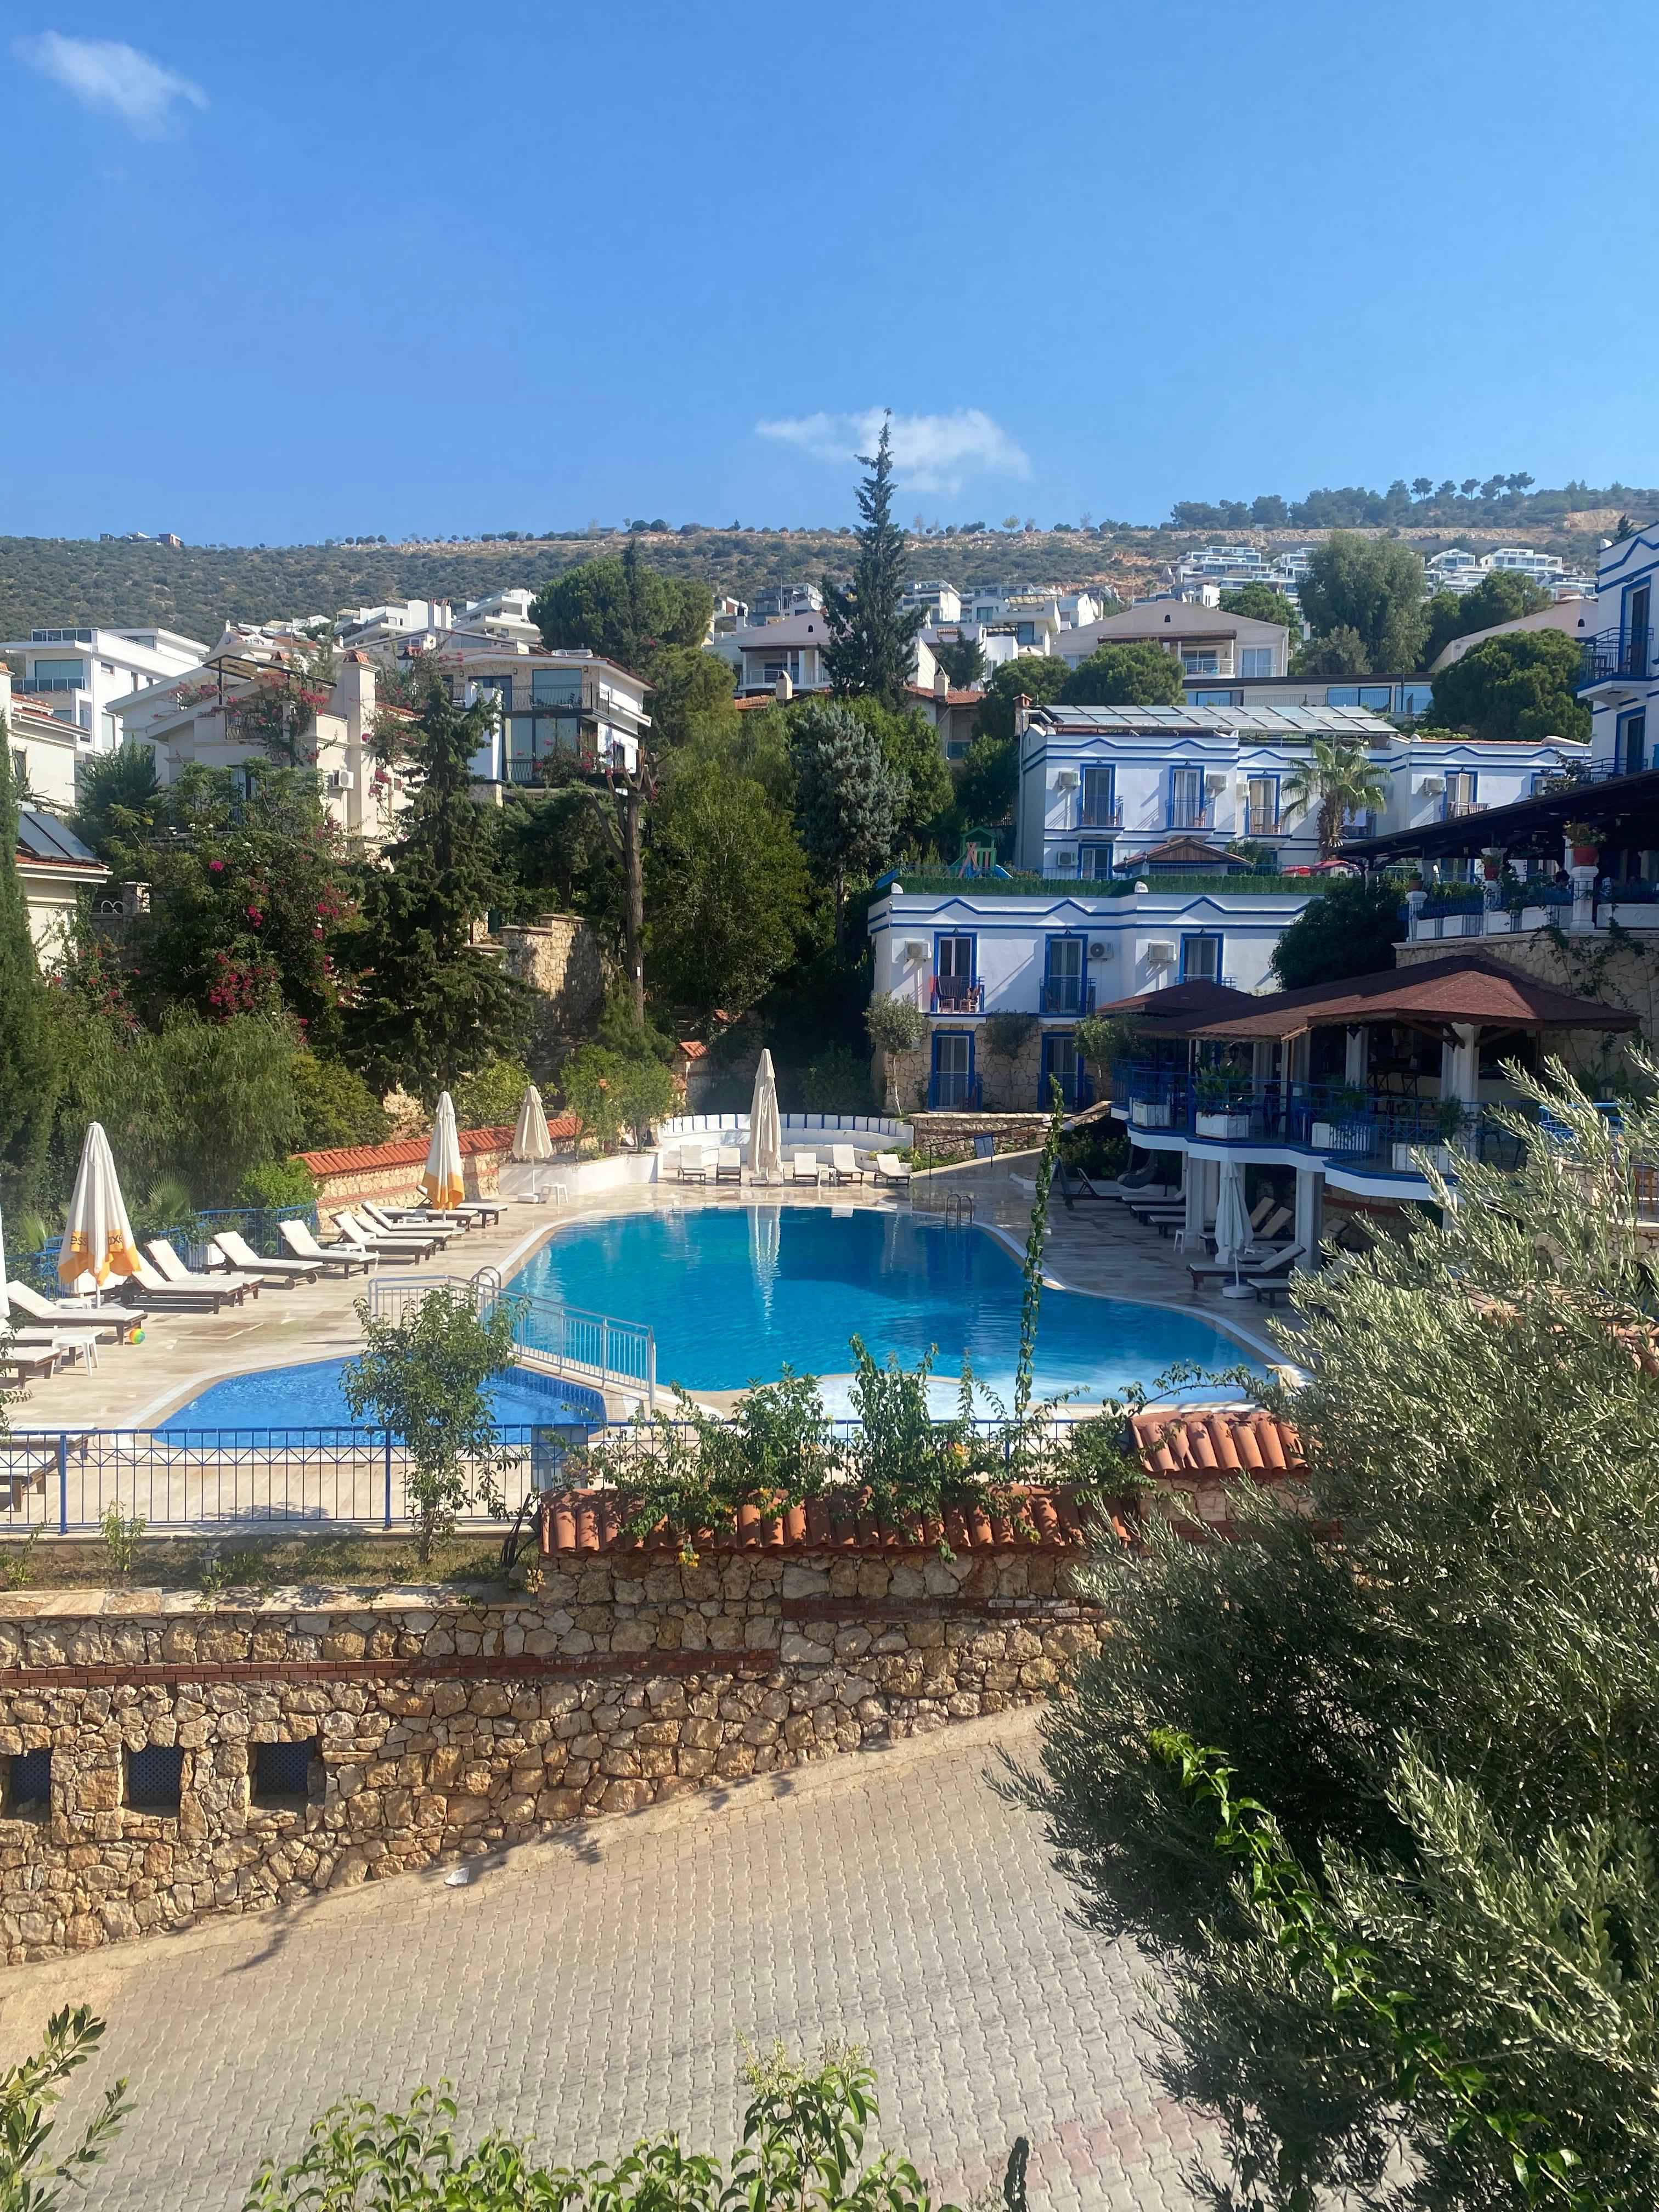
(1465, 988)
(1181, 1008)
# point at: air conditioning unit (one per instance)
(1067, 780)
(1215, 785)
(1433, 787)
(1064, 864)
(1100, 951)
(339, 778)
(914, 949)
(1160, 953)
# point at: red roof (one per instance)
(411, 1152)
(1180, 1007)
(580, 1523)
(1215, 1440)
(1466, 987)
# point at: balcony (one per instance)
(1616, 656)
(1076, 1091)
(1095, 815)
(1067, 994)
(1262, 822)
(1461, 809)
(951, 1092)
(953, 994)
(1184, 816)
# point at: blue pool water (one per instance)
(734, 1292)
(310, 1397)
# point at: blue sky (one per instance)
(283, 275)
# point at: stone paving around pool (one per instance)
(592, 1987)
(1099, 1248)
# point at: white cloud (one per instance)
(930, 453)
(103, 73)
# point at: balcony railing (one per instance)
(1185, 817)
(1067, 994)
(951, 1092)
(1614, 654)
(1261, 822)
(1076, 1090)
(1459, 810)
(1096, 815)
(953, 995)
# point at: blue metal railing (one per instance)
(1612, 654)
(951, 1093)
(1067, 994)
(951, 996)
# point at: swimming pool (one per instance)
(734, 1292)
(310, 1397)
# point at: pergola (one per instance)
(1622, 811)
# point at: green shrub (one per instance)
(278, 1182)
(836, 1082)
(1007, 1035)
(895, 1024)
(336, 1106)
(490, 1099)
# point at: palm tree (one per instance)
(1340, 779)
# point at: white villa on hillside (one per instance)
(77, 674)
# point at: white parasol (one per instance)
(1232, 1227)
(98, 1239)
(765, 1130)
(442, 1182)
(531, 1141)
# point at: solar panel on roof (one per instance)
(44, 838)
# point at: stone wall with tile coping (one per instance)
(446, 1727)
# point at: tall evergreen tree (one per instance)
(846, 797)
(871, 637)
(431, 1007)
(28, 1062)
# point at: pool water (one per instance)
(310, 1397)
(734, 1292)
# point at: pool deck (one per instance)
(1098, 1250)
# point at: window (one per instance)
(1379, 697)
(1201, 959)
(1200, 660)
(1186, 808)
(1099, 809)
(1261, 806)
(1460, 793)
(281, 1772)
(1094, 863)
(952, 1083)
(154, 1777)
(1218, 698)
(1415, 699)
(1257, 660)
(1063, 989)
(57, 676)
(28, 1785)
(953, 971)
(556, 687)
(1633, 744)
(1060, 1065)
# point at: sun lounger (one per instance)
(890, 1168)
(843, 1165)
(351, 1243)
(803, 1167)
(173, 1272)
(241, 1254)
(69, 1342)
(297, 1236)
(1251, 1269)
(201, 1295)
(112, 1324)
(1273, 1279)
(442, 1226)
(728, 1167)
(419, 1241)
(694, 1164)
(27, 1363)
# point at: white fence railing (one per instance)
(702, 1125)
(591, 1348)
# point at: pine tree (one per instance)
(431, 1007)
(871, 637)
(845, 795)
(28, 1060)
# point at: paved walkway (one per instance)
(593, 1988)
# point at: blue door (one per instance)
(953, 1084)
(1062, 1065)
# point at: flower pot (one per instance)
(1227, 1127)
(1338, 1136)
(1148, 1114)
(1586, 856)
(1440, 1154)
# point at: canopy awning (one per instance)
(1463, 990)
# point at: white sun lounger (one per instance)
(728, 1164)
(419, 1241)
(889, 1168)
(442, 1226)
(241, 1254)
(202, 1294)
(694, 1164)
(843, 1165)
(803, 1167)
(174, 1271)
(297, 1236)
(114, 1323)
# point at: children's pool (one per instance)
(310, 1397)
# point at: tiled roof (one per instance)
(1179, 1005)
(1215, 1440)
(411, 1152)
(583, 1523)
(1464, 987)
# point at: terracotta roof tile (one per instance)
(411, 1152)
(583, 1523)
(1215, 1440)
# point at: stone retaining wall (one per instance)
(444, 1727)
(938, 1131)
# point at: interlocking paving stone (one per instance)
(593, 1988)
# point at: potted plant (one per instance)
(1347, 1129)
(1218, 1115)
(1586, 852)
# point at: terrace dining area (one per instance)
(1361, 1082)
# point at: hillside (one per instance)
(195, 590)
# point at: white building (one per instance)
(1619, 678)
(1207, 642)
(406, 625)
(77, 674)
(571, 706)
(988, 947)
(784, 601)
(1100, 788)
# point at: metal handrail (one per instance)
(595, 1347)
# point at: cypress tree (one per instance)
(845, 799)
(871, 637)
(432, 1007)
(29, 1074)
